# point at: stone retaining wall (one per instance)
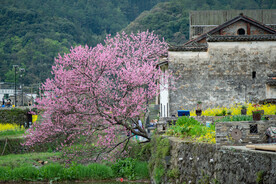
(250, 132)
(205, 163)
(203, 119)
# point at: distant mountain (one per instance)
(171, 19)
(33, 32)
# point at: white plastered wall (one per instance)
(164, 93)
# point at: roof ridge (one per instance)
(235, 19)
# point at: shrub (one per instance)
(124, 168)
(13, 115)
(141, 170)
(27, 173)
(159, 150)
(100, 172)
(237, 118)
(140, 152)
(51, 171)
(189, 127)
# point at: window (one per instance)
(241, 31)
(198, 30)
(253, 75)
(254, 129)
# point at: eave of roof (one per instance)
(238, 18)
(186, 48)
(271, 75)
(271, 82)
(162, 63)
(241, 38)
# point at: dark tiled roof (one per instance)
(271, 75)
(162, 63)
(242, 38)
(271, 79)
(271, 82)
(164, 55)
(188, 48)
(236, 19)
(194, 45)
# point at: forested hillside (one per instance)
(171, 19)
(33, 32)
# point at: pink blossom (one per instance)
(98, 93)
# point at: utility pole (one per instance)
(22, 95)
(15, 67)
(39, 90)
(22, 85)
(21, 70)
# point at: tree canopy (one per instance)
(33, 32)
(98, 93)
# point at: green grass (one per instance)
(29, 159)
(141, 170)
(13, 133)
(56, 172)
(131, 168)
(25, 167)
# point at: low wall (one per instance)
(230, 133)
(203, 119)
(205, 163)
(242, 132)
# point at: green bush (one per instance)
(130, 168)
(141, 170)
(51, 172)
(13, 145)
(13, 115)
(237, 118)
(124, 168)
(188, 126)
(139, 151)
(160, 148)
(99, 171)
(26, 173)
(187, 121)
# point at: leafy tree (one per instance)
(98, 93)
(35, 31)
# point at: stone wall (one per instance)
(249, 132)
(205, 163)
(223, 75)
(222, 128)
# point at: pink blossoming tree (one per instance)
(98, 93)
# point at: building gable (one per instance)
(224, 66)
(205, 20)
(240, 25)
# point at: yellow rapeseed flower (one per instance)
(269, 109)
(8, 126)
